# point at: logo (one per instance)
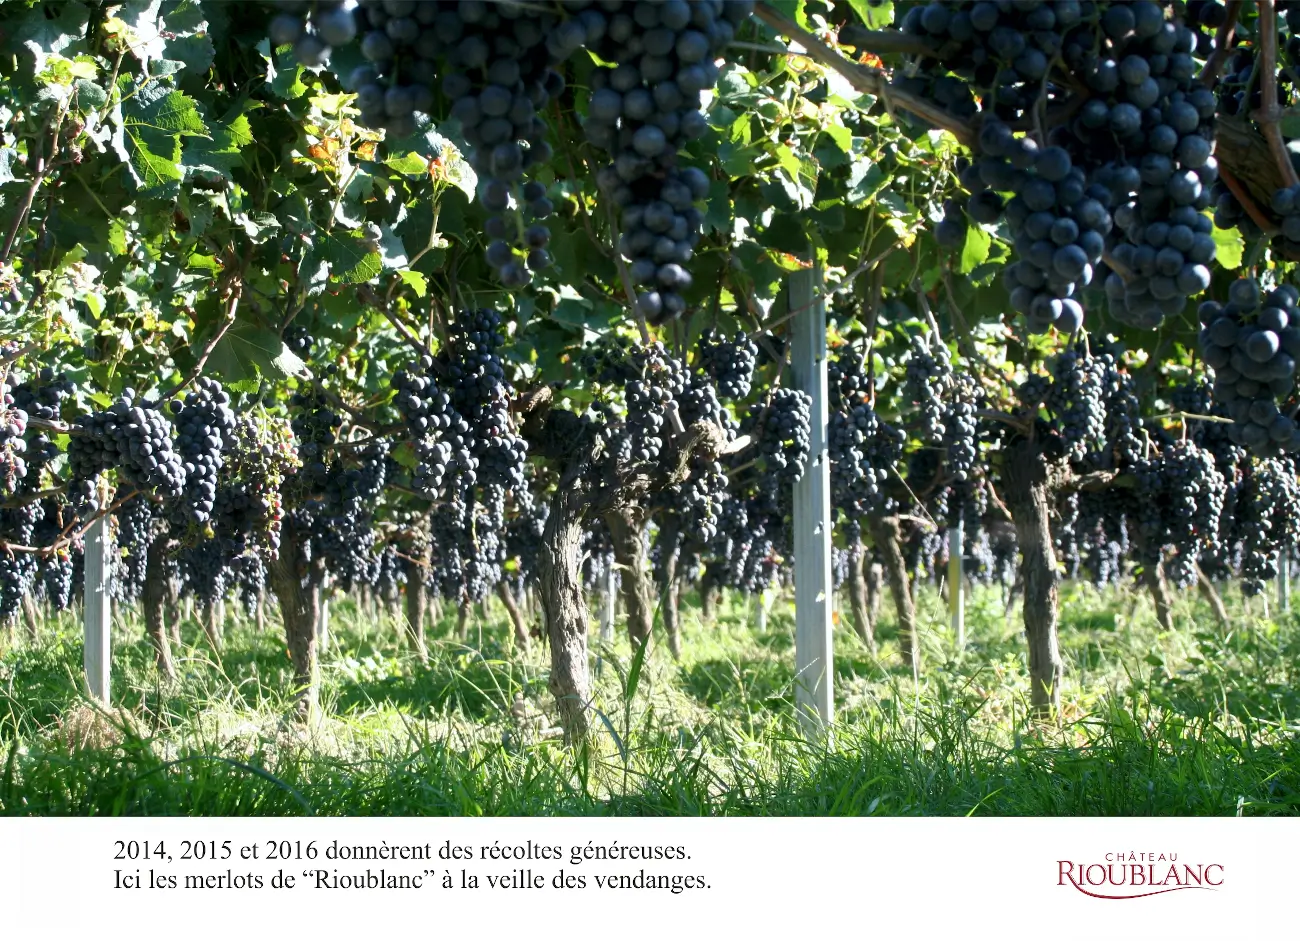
(1137, 875)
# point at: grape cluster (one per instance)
(481, 392)
(1266, 520)
(316, 426)
(730, 363)
(1252, 343)
(249, 506)
(1178, 507)
(136, 439)
(328, 24)
(13, 425)
(642, 111)
(299, 340)
(1077, 399)
(786, 434)
(205, 426)
(342, 523)
(495, 63)
(439, 435)
(864, 452)
(136, 530)
(926, 380)
(1059, 224)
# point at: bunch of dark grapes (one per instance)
(1252, 343)
(1179, 500)
(927, 379)
(438, 433)
(316, 426)
(1127, 172)
(313, 28)
(481, 392)
(786, 434)
(1077, 400)
(864, 452)
(249, 504)
(342, 525)
(249, 574)
(729, 362)
(299, 340)
(1266, 520)
(642, 112)
(495, 63)
(136, 531)
(41, 398)
(136, 439)
(13, 425)
(1059, 224)
(205, 427)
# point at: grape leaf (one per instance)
(349, 259)
(1229, 247)
(247, 352)
(976, 250)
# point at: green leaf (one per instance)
(874, 15)
(415, 281)
(1229, 247)
(349, 259)
(793, 9)
(976, 250)
(148, 137)
(412, 164)
(247, 352)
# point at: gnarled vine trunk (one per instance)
(564, 610)
(710, 588)
(417, 603)
(174, 609)
(886, 533)
(1028, 495)
(1211, 595)
(298, 609)
(516, 616)
(627, 527)
(669, 590)
(212, 625)
(874, 575)
(154, 600)
(858, 597)
(1154, 576)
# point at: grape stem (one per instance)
(1222, 40)
(1269, 112)
(867, 80)
(220, 332)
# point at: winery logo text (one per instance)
(1134, 875)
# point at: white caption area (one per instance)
(752, 878)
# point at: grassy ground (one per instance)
(1200, 720)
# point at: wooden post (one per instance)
(98, 609)
(814, 696)
(956, 584)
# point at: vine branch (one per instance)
(866, 80)
(1269, 113)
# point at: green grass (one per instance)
(1199, 720)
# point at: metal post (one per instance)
(760, 614)
(1283, 582)
(98, 609)
(814, 696)
(956, 584)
